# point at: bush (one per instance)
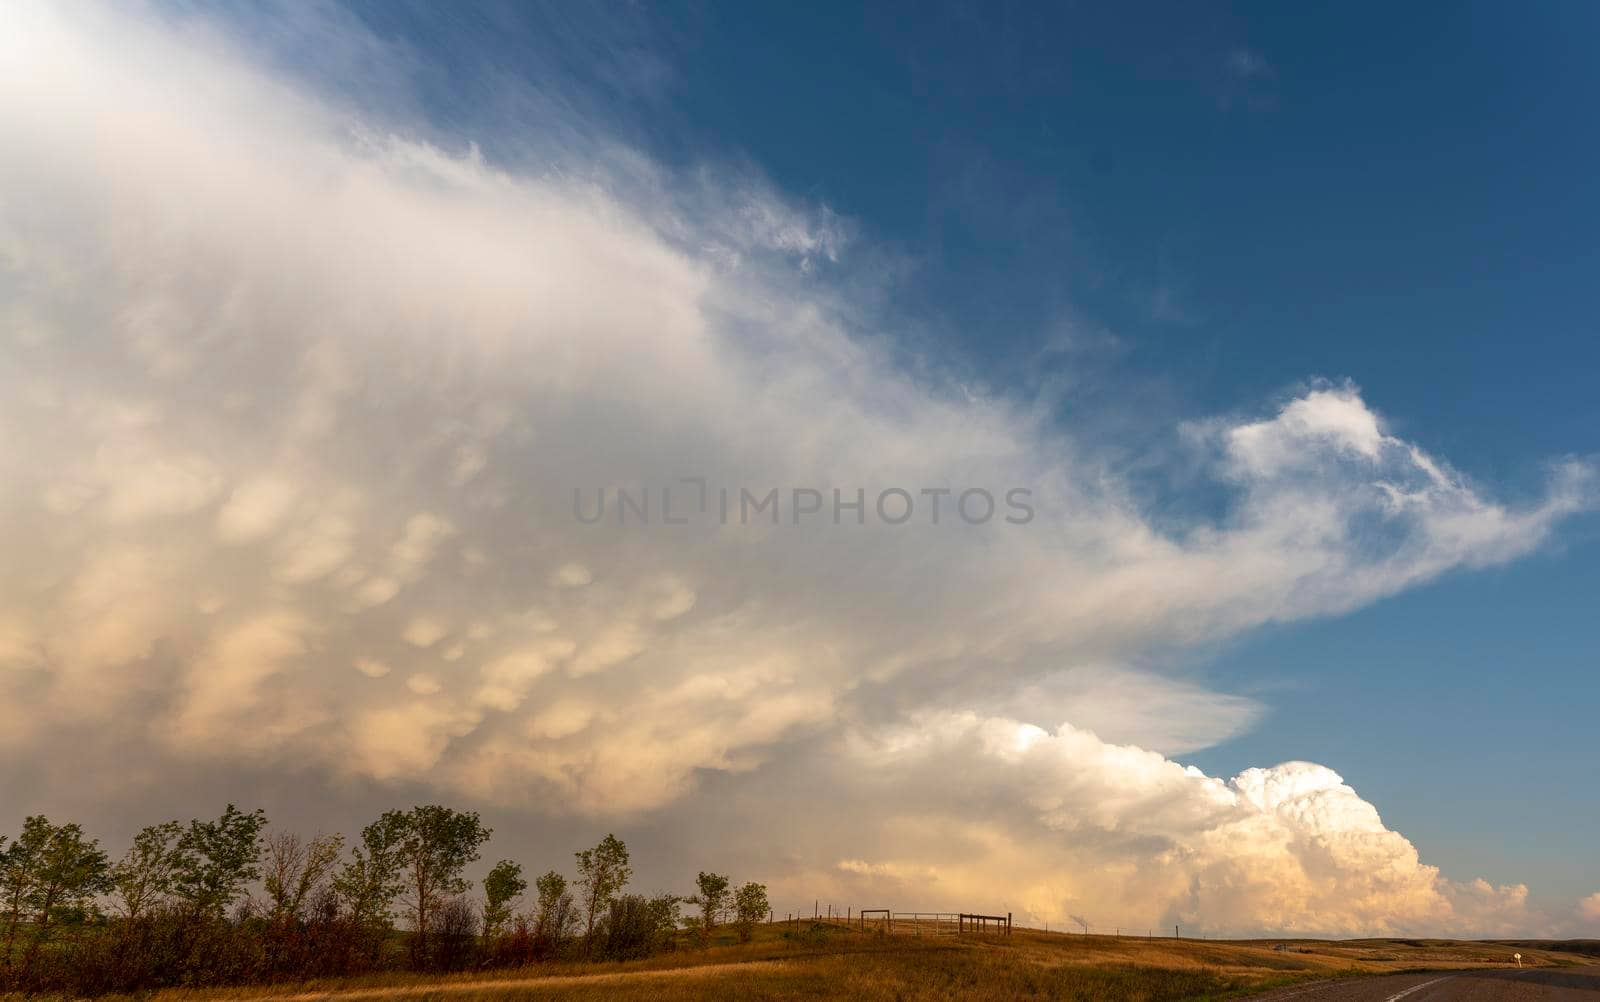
(453, 939)
(636, 926)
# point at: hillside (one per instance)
(830, 962)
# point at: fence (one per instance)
(951, 923)
(914, 923)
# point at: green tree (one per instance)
(602, 872)
(144, 877)
(217, 859)
(551, 887)
(435, 845)
(68, 871)
(370, 880)
(18, 867)
(501, 887)
(664, 912)
(557, 911)
(712, 899)
(750, 906)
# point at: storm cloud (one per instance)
(293, 401)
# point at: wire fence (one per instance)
(888, 921)
(912, 923)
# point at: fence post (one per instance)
(1008, 923)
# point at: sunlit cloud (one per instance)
(293, 404)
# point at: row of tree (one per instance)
(226, 901)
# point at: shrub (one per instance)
(636, 926)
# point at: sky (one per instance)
(315, 318)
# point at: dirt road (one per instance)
(1567, 984)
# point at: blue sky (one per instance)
(1248, 195)
(1285, 314)
(1242, 197)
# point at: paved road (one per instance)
(1567, 984)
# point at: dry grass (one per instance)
(829, 963)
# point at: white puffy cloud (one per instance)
(1322, 421)
(1589, 908)
(311, 393)
(1130, 839)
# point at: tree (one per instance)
(17, 869)
(296, 870)
(712, 899)
(557, 915)
(371, 880)
(501, 887)
(750, 906)
(144, 877)
(602, 872)
(435, 845)
(664, 912)
(552, 887)
(68, 871)
(217, 859)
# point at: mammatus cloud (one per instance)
(291, 413)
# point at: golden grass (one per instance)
(833, 963)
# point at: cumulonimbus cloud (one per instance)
(1129, 839)
(1589, 908)
(291, 412)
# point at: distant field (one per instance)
(829, 962)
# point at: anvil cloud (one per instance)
(292, 403)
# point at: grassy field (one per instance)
(828, 962)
